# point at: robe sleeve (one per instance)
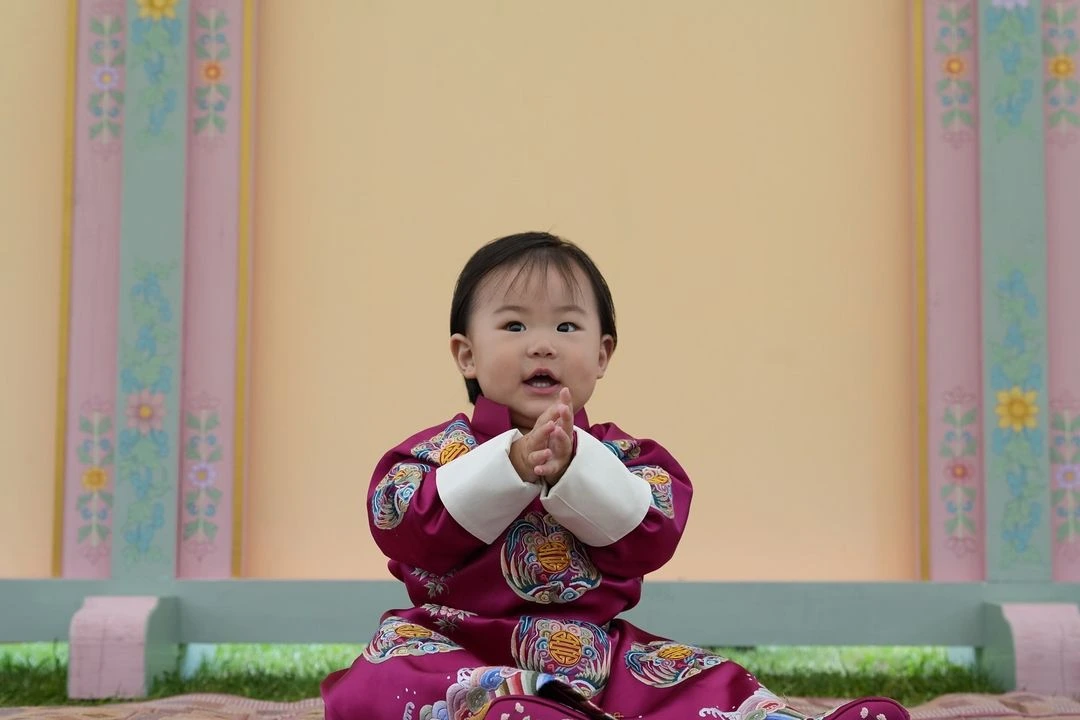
(627, 499)
(437, 498)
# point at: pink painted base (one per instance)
(112, 654)
(1046, 643)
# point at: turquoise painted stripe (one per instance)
(1014, 291)
(151, 289)
(708, 613)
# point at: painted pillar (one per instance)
(952, 388)
(158, 253)
(1014, 296)
(1061, 98)
(87, 465)
(217, 293)
(150, 310)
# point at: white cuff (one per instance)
(481, 489)
(597, 499)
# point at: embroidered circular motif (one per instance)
(397, 637)
(565, 648)
(408, 631)
(394, 492)
(453, 442)
(543, 562)
(578, 653)
(660, 487)
(662, 663)
(451, 451)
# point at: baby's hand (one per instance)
(560, 440)
(545, 451)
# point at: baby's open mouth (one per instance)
(541, 380)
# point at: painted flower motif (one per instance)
(961, 546)
(1009, 4)
(959, 396)
(959, 471)
(954, 66)
(95, 479)
(96, 405)
(202, 475)
(145, 411)
(1068, 477)
(204, 402)
(1061, 67)
(106, 78)
(199, 548)
(1016, 409)
(1066, 401)
(212, 71)
(157, 9)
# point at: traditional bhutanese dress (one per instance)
(516, 587)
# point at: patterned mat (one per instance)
(227, 707)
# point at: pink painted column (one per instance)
(1061, 43)
(955, 481)
(91, 417)
(215, 258)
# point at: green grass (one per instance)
(36, 674)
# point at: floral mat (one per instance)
(228, 707)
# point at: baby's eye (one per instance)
(514, 326)
(568, 327)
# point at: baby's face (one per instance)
(531, 337)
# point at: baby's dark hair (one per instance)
(529, 250)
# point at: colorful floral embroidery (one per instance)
(394, 492)
(451, 443)
(435, 584)
(397, 637)
(660, 485)
(470, 697)
(663, 663)
(578, 653)
(760, 705)
(446, 618)
(543, 562)
(624, 449)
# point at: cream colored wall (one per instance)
(33, 52)
(738, 170)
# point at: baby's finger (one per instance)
(561, 446)
(540, 457)
(567, 418)
(547, 469)
(560, 440)
(551, 413)
(540, 436)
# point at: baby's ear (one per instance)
(607, 349)
(461, 350)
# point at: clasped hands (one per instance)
(543, 454)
